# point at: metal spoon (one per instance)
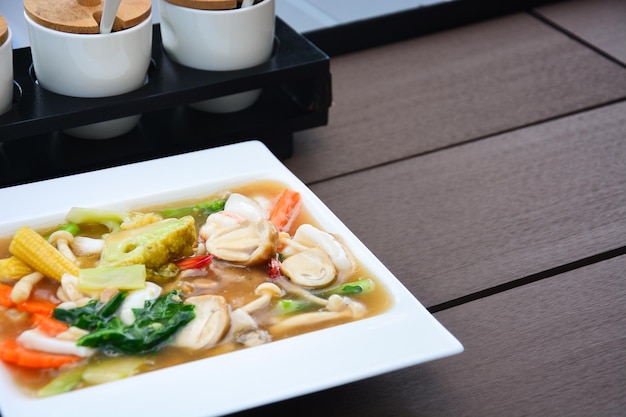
(108, 15)
(247, 3)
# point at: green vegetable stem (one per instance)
(288, 306)
(206, 207)
(359, 286)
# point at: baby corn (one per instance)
(32, 249)
(13, 268)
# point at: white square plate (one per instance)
(406, 334)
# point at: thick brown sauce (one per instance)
(235, 283)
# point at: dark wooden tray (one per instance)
(296, 95)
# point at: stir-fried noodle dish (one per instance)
(109, 294)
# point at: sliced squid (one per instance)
(236, 239)
(308, 236)
(208, 327)
(240, 233)
(36, 340)
(244, 207)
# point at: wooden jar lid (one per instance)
(83, 16)
(4, 30)
(208, 4)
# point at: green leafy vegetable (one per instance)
(91, 315)
(206, 207)
(153, 327)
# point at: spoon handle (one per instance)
(108, 15)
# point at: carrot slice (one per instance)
(48, 325)
(13, 352)
(285, 208)
(31, 306)
(37, 306)
(5, 296)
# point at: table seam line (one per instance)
(472, 140)
(578, 39)
(529, 279)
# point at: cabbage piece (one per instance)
(128, 277)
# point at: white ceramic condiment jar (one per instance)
(6, 67)
(72, 58)
(213, 35)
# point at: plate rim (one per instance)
(253, 159)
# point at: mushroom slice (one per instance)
(233, 238)
(265, 291)
(209, 325)
(292, 288)
(85, 246)
(69, 291)
(338, 303)
(62, 239)
(23, 288)
(312, 268)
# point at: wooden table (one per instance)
(486, 167)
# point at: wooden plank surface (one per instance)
(552, 348)
(434, 91)
(466, 160)
(601, 23)
(474, 158)
(461, 220)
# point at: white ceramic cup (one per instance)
(6, 74)
(219, 40)
(91, 66)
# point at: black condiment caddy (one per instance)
(297, 95)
